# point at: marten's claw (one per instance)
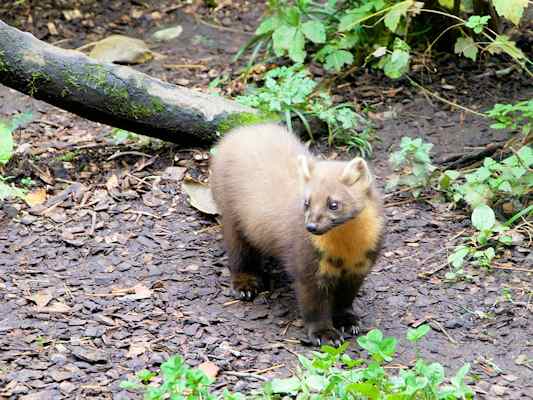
(355, 330)
(322, 336)
(246, 295)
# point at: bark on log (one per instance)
(113, 94)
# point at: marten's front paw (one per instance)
(324, 335)
(347, 322)
(245, 286)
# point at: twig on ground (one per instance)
(443, 330)
(127, 153)
(246, 375)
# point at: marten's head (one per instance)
(334, 192)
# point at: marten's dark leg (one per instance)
(244, 263)
(345, 291)
(315, 302)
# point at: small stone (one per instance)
(60, 375)
(498, 390)
(89, 355)
(453, 323)
(164, 35)
(67, 387)
(58, 358)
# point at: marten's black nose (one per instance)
(311, 227)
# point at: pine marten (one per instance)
(321, 219)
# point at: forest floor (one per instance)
(120, 272)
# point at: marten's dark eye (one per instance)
(307, 203)
(333, 204)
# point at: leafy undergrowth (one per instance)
(330, 374)
(497, 193)
(289, 92)
(7, 148)
(382, 33)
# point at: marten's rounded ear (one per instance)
(356, 171)
(305, 166)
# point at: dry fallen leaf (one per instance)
(141, 292)
(200, 197)
(137, 348)
(121, 49)
(56, 307)
(41, 299)
(209, 368)
(36, 197)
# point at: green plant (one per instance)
(27, 182)
(121, 136)
(9, 191)
(495, 187)
(413, 163)
(329, 374)
(517, 116)
(381, 32)
(179, 382)
(7, 147)
(333, 374)
(289, 92)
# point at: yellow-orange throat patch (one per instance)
(345, 248)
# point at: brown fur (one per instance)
(269, 189)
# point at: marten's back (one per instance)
(255, 183)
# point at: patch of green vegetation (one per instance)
(120, 101)
(290, 92)
(27, 182)
(413, 165)
(69, 156)
(338, 34)
(235, 120)
(330, 374)
(37, 78)
(3, 64)
(497, 193)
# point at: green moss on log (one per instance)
(37, 78)
(120, 101)
(235, 120)
(3, 65)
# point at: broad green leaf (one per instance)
(296, 47)
(10, 192)
(292, 16)
(477, 23)
(467, 47)
(396, 64)
(314, 31)
(483, 217)
(414, 335)
(316, 382)
(366, 389)
(268, 25)
(338, 59)
(513, 10)
(392, 18)
(289, 385)
(458, 256)
(503, 43)
(282, 38)
(7, 144)
(354, 17)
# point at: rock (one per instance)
(498, 390)
(42, 395)
(453, 323)
(89, 355)
(164, 35)
(67, 387)
(59, 375)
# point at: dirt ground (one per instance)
(120, 272)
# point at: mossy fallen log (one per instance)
(113, 94)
